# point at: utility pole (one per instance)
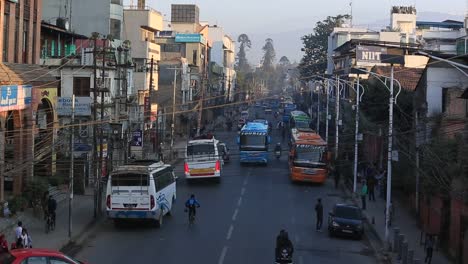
(72, 167)
(337, 118)
(318, 111)
(173, 111)
(101, 140)
(150, 97)
(389, 158)
(95, 157)
(200, 105)
(416, 122)
(356, 136)
(327, 111)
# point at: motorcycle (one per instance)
(284, 257)
(278, 154)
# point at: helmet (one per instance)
(278, 144)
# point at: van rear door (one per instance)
(130, 191)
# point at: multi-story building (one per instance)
(21, 28)
(87, 16)
(223, 55)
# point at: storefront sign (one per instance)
(137, 138)
(189, 38)
(369, 54)
(82, 106)
(14, 97)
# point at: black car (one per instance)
(346, 220)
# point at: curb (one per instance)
(74, 245)
(375, 241)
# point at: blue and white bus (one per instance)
(253, 141)
(288, 107)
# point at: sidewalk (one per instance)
(82, 218)
(402, 219)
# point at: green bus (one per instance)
(299, 120)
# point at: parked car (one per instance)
(223, 151)
(347, 220)
(35, 255)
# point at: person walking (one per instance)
(3, 244)
(429, 249)
(26, 240)
(371, 187)
(319, 215)
(18, 230)
(364, 194)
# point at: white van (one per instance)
(141, 190)
(202, 159)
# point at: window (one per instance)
(35, 260)
(195, 57)
(200, 149)
(129, 179)
(445, 98)
(164, 179)
(171, 47)
(6, 25)
(25, 46)
(116, 2)
(81, 86)
(58, 261)
(115, 28)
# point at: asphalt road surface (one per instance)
(237, 222)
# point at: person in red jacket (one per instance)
(3, 244)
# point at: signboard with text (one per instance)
(14, 97)
(137, 138)
(369, 54)
(189, 38)
(82, 106)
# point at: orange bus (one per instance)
(308, 157)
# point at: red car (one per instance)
(36, 256)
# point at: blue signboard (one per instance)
(137, 138)
(14, 97)
(190, 38)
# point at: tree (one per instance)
(269, 55)
(316, 46)
(242, 62)
(284, 61)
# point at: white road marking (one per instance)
(223, 255)
(239, 202)
(229, 234)
(301, 260)
(242, 191)
(234, 216)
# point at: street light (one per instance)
(392, 60)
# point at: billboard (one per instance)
(82, 106)
(369, 54)
(190, 38)
(14, 97)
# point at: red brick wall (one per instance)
(457, 212)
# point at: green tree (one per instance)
(314, 60)
(284, 62)
(269, 55)
(242, 62)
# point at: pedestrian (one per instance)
(364, 194)
(429, 249)
(319, 214)
(18, 230)
(3, 244)
(26, 240)
(337, 175)
(379, 180)
(371, 187)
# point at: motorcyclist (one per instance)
(278, 148)
(283, 242)
(191, 204)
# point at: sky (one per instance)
(274, 18)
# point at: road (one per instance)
(237, 222)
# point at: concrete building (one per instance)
(440, 36)
(20, 32)
(223, 55)
(87, 16)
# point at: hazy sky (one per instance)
(276, 16)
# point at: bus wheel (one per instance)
(169, 213)
(159, 222)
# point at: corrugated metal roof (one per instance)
(32, 74)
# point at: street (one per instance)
(237, 222)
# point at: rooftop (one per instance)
(408, 77)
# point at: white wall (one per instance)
(437, 79)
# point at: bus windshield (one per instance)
(309, 154)
(302, 124)
(252, 141)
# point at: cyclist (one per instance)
(51, 207)
(191, 205)
(283, 242)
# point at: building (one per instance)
(21, 28)
(86, 16)
(222, 55)
(440, 36)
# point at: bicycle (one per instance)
(191, 212)
(50, 222)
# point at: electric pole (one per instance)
(337, 120)
(101, 140)
(150, 102)
(72, 167)
(95, 157)
(200, 105)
